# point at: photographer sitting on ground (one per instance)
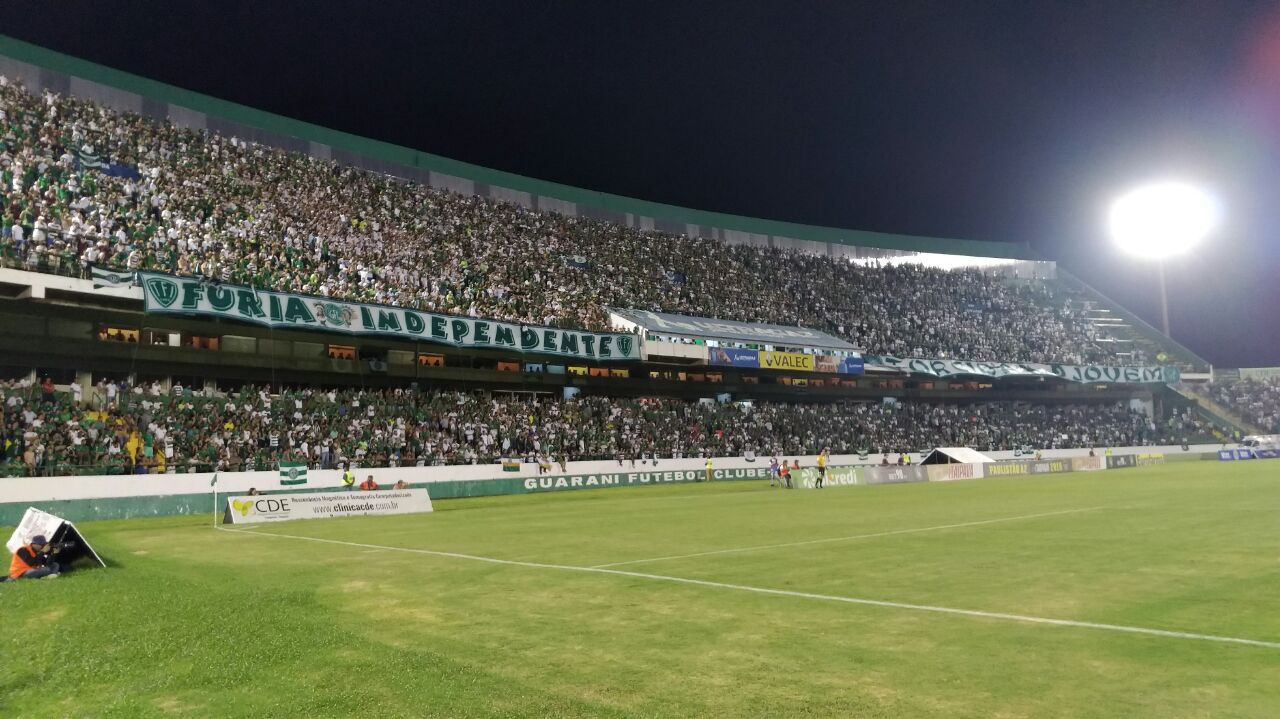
(33, 561)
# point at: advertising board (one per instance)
(1120, 461)
(897, 475)
(323, 505)
(952, 472)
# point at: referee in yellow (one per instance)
(822, 467)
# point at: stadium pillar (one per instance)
(1164, 301)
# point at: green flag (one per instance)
(214, 481)
(293, 473)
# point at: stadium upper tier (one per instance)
(81, 184)
(117, 428)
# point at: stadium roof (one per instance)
(709, 328)
(194, 109)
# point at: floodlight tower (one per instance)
(1160, 220)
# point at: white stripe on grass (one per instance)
(788, 593)
(807, 542)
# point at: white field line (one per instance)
(890, 533)
(787, 593)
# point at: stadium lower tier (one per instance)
(139, 429)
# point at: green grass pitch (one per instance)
(195, 622)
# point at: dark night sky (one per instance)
(1008, 121)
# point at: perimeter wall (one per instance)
(129, 496)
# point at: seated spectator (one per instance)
(368, 484)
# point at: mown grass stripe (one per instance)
(1147, 631)
(807, 542)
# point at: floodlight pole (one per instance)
(1164, 300)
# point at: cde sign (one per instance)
(279, 508)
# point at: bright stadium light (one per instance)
(1161, 220)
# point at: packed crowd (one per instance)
(1257, 401)
(119, 429)
(83, 185)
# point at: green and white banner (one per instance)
(103, 277)
(293, 473)
(1087, 374)
(183, 295)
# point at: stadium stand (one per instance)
(1256, 400)
(83, 185)
(142, 429)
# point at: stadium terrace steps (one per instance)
(1114, 320)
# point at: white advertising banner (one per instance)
(321, 505)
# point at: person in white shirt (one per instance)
(87, 260)
(38, 235)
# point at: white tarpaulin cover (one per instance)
(955, 455)
(55, 529)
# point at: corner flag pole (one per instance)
(214, 484)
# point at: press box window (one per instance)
(199, 342)
(161, 338)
